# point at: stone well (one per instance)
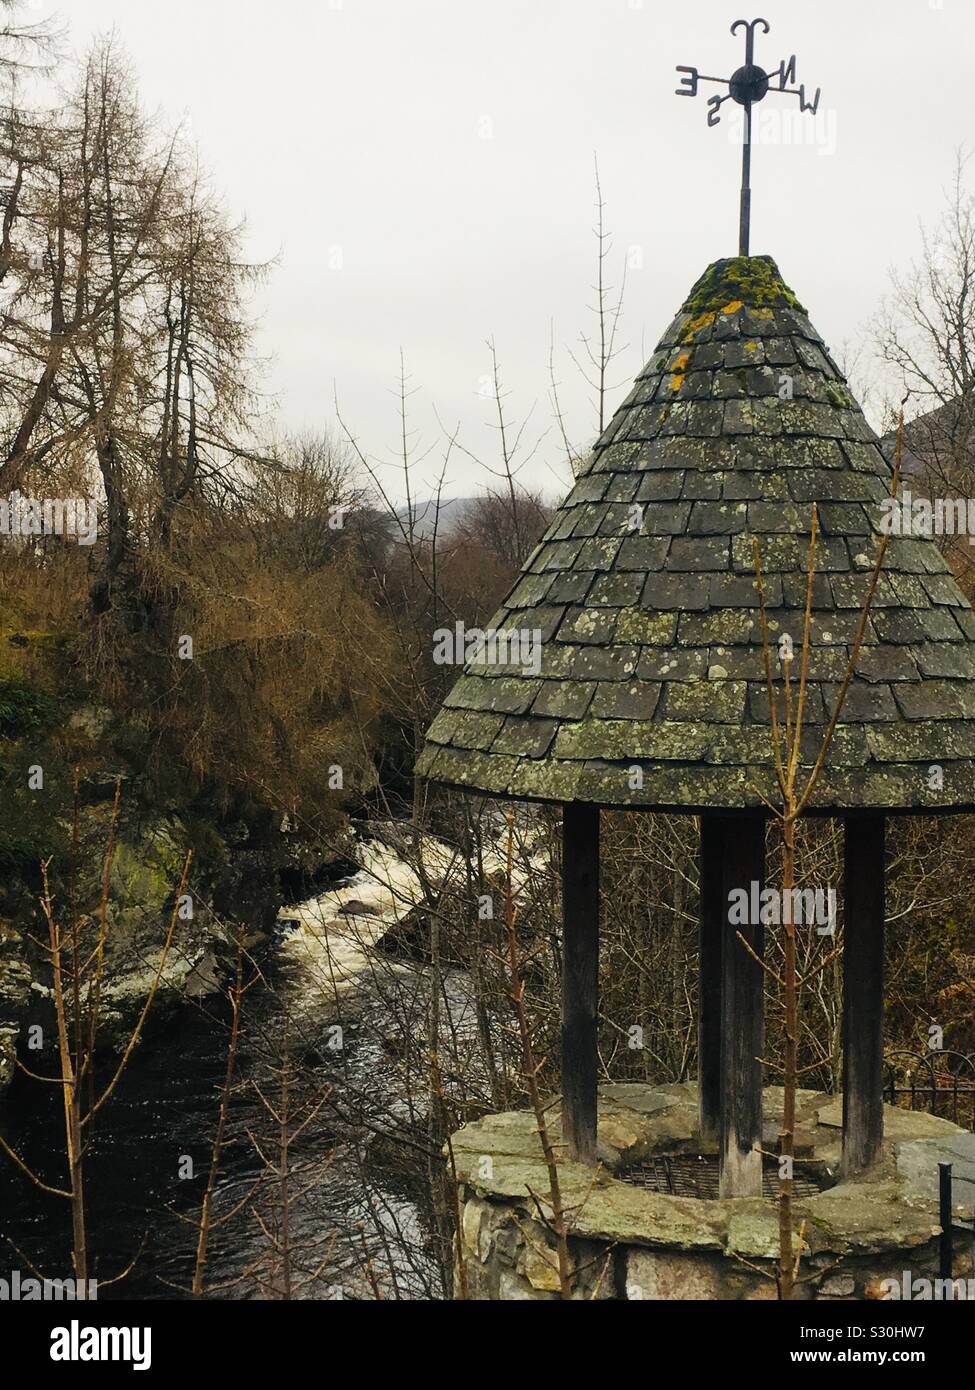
(630, 1243)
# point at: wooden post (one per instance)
(742, 1012)
(580, 978)
(713, 920)
(863, 990)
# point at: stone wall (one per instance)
(630, 1244)
(510, 1256)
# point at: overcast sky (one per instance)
(424, 171)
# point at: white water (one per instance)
(332, 935)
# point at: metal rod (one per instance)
(745, 218)
(945, 1257)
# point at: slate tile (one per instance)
(530, 589)
(587, 521)
(886, 663)
(937, 699)
(660, 487)
(843, 519)
(864, 703)
(717, 518)
(527, 738)
(625, 700)
(725, 627)
(926, 741)
(564, 699)
(853, 590)
(780, 352)
(744, 487)
(618, 519)
(815, 706)
(623, 487)
(706, 701)
(704, 419)
(698, 553)
(643, 553)
(794, 587)
(770, 518)
(649, 629)
(591, 489)
(605, 663)
(616, 590)
(954, 659)
(612, 739)
(942, 624)
(597, 554)
(675, 592)
(571, 587)
(943, 590)
(745, 352)
(589, 625)
(476, 730)
(741, 591)
(678, 664)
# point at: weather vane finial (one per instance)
(750, 84)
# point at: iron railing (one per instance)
(942, 1083)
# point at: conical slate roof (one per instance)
(651, 689)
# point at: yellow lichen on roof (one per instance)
(696, 324)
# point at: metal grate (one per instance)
(696, 1175)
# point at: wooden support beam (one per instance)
(742, 1013)
(580, 978)
(713, 921)
(863, 990)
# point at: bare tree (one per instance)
(925, 333)
(77, 968)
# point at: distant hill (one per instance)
(452, 510)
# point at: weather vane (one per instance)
(749, 85)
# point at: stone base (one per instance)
(629, 1244)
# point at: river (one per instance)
(362, 1226)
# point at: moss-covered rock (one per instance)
(751, 280)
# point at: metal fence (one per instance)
(942, 1083)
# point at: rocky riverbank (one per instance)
(236, 879)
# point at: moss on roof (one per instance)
(751, 280)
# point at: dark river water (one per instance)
(359, 1223)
